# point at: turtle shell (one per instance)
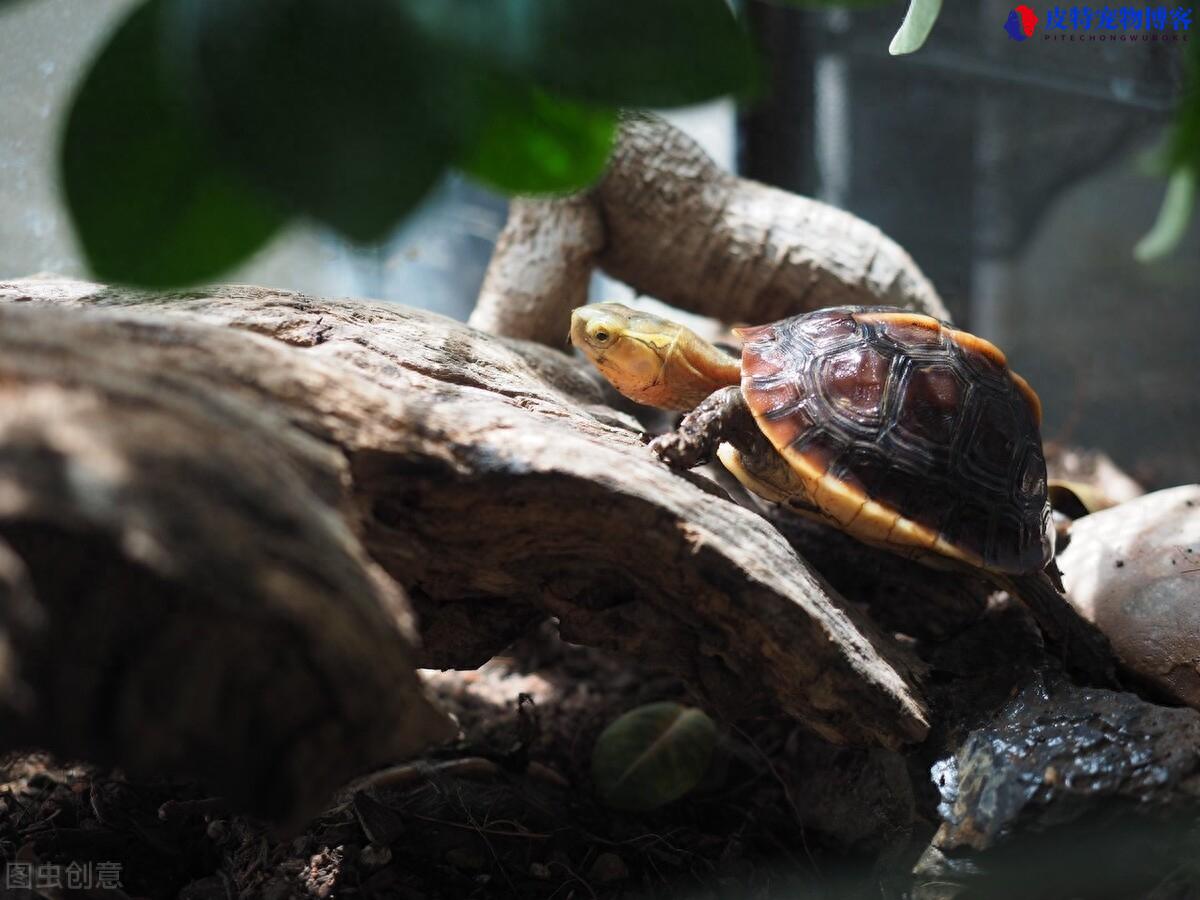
(908, 432)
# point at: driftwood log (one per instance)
(182, 588)
(217, 482)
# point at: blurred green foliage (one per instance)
(204, 126)
(1182, 166)
(533, 142)
(1185, 139)
(649, 53)
(152, 205)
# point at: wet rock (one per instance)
(1058, 752)
(1067, 790)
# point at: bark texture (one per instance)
(546, 253)
(677, 227)
(182, 590)
(225, 468)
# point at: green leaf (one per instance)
(1183, 159)
(1185, 134)
(1173, 217)
(533, 142)
(653, 53)
(652, 755)
(914, 30)
(350, 111)
(338, 107)
(150, 205)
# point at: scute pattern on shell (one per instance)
(914, 414)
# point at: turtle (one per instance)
(891, 425)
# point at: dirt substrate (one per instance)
(506, 811)
(509, 811)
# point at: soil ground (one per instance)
(507, 810)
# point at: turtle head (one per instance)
(650, 359)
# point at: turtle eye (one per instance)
(600, 336)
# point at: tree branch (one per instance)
(677, 227)
(544, 258)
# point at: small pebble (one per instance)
(609, 867)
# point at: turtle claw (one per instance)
(679, 452)
(701, 431)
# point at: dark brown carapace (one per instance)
(907, 432)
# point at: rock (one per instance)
(1066, 791)
(1057, 752)
(608, 868)
(1134, 570)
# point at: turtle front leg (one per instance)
(722, 416)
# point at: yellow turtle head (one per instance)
(651, 359)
